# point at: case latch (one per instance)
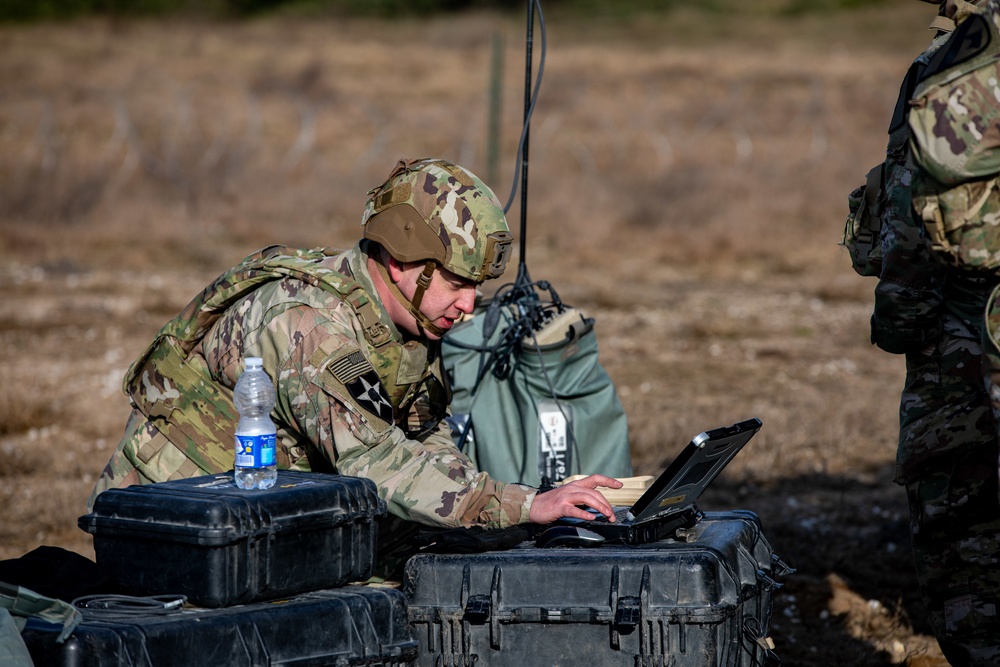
(477, 608)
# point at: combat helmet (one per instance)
(433, 211)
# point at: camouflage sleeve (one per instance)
(908, 295)
(329, 389)
(433, 483)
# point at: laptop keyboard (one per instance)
(621, 514)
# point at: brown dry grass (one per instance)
(688, 186)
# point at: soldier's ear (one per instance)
(395, 268)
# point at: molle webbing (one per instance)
(166, 379)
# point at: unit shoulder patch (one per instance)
(356, 373)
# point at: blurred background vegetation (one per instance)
(45, 10)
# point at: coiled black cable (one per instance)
(115, 606)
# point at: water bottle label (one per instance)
(255, 451)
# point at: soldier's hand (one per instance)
(571, 500)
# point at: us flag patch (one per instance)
(349, 367)
(363, 384)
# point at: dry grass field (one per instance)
(688, 186)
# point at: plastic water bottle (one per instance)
(253, 395)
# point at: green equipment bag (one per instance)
(13, 651)
(530, 398)
(21, 603)
(962, 221)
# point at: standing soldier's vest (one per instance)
(955, 127)
(884, 193)
(167, 379)
(955, 140)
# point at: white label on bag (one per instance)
(555, 428)
(553, 435)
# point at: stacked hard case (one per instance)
(353, 625)
(267, 579)
(701, 599)
(220, 545)
(266, 576)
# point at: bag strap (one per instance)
(20, 601)
(873, 188)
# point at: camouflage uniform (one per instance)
(355, 395)
(344, 404)
(947, 453)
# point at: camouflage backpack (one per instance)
(166, 379)
(955, 141)
(882, 192)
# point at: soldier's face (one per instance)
(446, 299)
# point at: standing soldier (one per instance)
(947, 456)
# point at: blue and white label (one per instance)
(255, 451)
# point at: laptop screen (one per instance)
(694, 469)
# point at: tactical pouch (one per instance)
(962, 222)
(864, 224)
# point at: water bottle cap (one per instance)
(254, 362)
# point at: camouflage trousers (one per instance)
(955, 527)
(948, 461)
(945, 405)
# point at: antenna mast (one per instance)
(522, 268)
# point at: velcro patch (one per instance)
(396, 195)
(457, 173)
(351, 366)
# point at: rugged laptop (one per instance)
(669, 502)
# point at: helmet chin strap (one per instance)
(413, 307)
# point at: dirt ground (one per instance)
(688, 186)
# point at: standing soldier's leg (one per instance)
(949, 462)
(955, 523)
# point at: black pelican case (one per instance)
(702, 599)
(352, 625)
(220, 545)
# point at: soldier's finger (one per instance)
(594, 481)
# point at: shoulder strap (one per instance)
(974, 38)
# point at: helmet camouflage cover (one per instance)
(432, 209)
